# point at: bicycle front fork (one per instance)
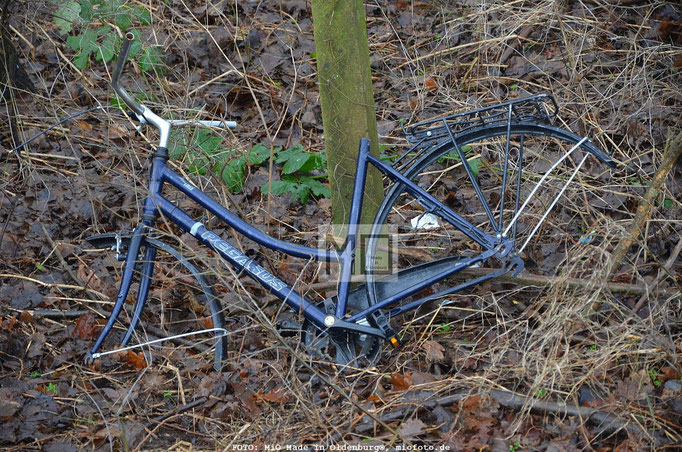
(136, 243)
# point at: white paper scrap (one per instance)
(425, 221)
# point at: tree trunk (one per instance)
(12, 73)
(347, 101)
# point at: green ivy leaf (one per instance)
(258, 154)
(474, 164)
(66, 15)
(207, 142)
(74, 42)
(123, 20)
(144, 16)
(302, 192)
(110, 6)
(283, 156)
(86, 10)
(233, 174)
(108, 48)
(317, 187)
(177, 146)
(315, 162)
(135, 47)
(150, 58)
(86, 41)
(81, 60)
(296, 162)
(280, 187)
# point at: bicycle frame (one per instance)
(156, 204)
(409, 281)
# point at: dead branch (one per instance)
(672, 151)
(608, 422)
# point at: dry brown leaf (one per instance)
(135, 360)
(412, 428)
(668, 373)
(207, 322)
(430, 84)
(434, 350)
(277, 395)
(400, 382)
(90, 279)
(84, 125)
(86, 327)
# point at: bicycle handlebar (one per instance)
(118, 68)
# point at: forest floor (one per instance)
(563, 363)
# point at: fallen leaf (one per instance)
(86, 327)
(471, 404)
(399, 382)
(116, 131)
(135, 360)
(22, 296)
(8, 406)
(412, 428)
(84, 125)
(668, 373)
(430, 84)
(90, 279)
(207, 322)
(277, 395)
(7, 324)
(434, 350)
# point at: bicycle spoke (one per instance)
(518, 187)
(537, 186)
(505, 169)
(472, 179)
(521, 152)
(556, 199)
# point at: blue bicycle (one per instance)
(502, 167)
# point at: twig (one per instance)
(512, 47)
(214, 79)
(662, 271)
(56, 314)
(23, 38)
(51, 285)
(176, 411)
(672, 151)
(66, 60)
(462, 46)
(62, 261)
(609, 422)
(536, 280)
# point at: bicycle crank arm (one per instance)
(341, 326)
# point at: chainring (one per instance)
(346, 349)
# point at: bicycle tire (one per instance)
(420, 168)
(203, 292)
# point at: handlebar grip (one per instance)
(118, 68)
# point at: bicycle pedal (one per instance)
(379, 320)
(288, 328)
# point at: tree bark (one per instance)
(347, 101)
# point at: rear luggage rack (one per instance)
(539, 108)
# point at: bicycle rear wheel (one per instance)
(502, 179)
